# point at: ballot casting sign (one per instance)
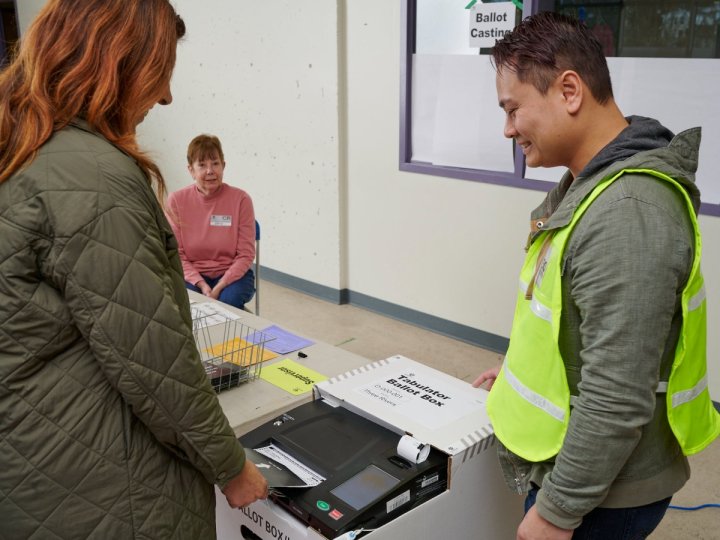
(490, 22)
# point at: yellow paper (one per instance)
(291, 376)
(240, 352)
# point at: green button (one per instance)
(322, 505)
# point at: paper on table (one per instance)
(282, 341)
(212, 313)
(240, 352)
(291, 376)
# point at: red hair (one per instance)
(106, 61)
(204, 147)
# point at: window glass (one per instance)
(640, 28)
(451, 124)
(8, 30)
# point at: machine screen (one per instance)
(365, 486)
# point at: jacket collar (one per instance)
(83, 124)
(678, 160)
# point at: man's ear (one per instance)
(572, 89)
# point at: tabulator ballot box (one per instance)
(388, 451)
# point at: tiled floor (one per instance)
(376, 337)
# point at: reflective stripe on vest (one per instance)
(539, 309)
(697, 299)
(529, 403)
(679, 398)
(533, 397)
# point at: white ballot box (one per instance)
(426, 410)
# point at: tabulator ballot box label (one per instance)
(390, 450)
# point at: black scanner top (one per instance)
(367, 483)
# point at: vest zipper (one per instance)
(518, 476)
(538, 264)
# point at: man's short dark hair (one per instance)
(545, 44)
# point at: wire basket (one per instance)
(231, 352)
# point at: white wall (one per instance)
(316, 145)
(26, 11)
(451, 248)
(263, 76)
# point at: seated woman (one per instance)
(215, 228)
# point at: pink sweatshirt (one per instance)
(215, 234)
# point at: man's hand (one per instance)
(247, 487)
(535, 527)
(488, 376)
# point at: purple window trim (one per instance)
(516, 179)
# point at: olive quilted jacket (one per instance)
(108, 425)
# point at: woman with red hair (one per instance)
(109, 427)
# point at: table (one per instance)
(253, 403)
(478, 501)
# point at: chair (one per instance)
(257, 268)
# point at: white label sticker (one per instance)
(490, 22)
(398, 501)
(428, 401)
(220, 221)
(429, 480)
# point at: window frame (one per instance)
(516, 178)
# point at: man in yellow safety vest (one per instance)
(603, 391)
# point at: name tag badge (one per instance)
(220, 221)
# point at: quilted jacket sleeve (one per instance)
(116, 261)
(190, 273)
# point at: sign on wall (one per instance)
(490, 22)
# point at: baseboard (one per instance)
(461, 332)
(336, 296)
(445, 327)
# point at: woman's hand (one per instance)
(247, 487)
(204, 287)
(217, 289)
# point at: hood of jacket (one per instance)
(644, 144)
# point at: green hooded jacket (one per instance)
(109, 427)
(623, 272)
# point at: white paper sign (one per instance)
(490, 22)
(429, 401)
(206, 314)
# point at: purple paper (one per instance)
(279, 340)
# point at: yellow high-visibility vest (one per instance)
(529, 404)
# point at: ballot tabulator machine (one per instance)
(366, 483)
(352, 437)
